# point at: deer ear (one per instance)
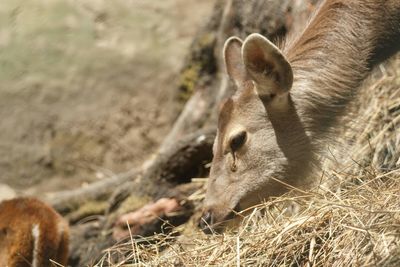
(233, 60)
(266, 65)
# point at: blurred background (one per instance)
(88, 87)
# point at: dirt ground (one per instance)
(88, 88)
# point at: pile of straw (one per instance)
(351, 220)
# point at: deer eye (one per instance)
(237, 141)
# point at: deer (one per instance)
(32, 234)
(288, 101)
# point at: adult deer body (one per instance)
(289, 98)
(31, 234)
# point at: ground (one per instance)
(88, 88)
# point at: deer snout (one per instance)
(212, 221)
(206, 220)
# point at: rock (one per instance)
(6, 192)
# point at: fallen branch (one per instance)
(65, 201)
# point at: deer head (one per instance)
(261, 144)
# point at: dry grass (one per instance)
(353, 219)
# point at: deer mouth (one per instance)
(213, 223)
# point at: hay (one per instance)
(353, 219)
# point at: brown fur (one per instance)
(335, 53)
(223, 121)
(17, 219)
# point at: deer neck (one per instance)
(334, 54)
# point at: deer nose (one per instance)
(212, 221)
(206, 222)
